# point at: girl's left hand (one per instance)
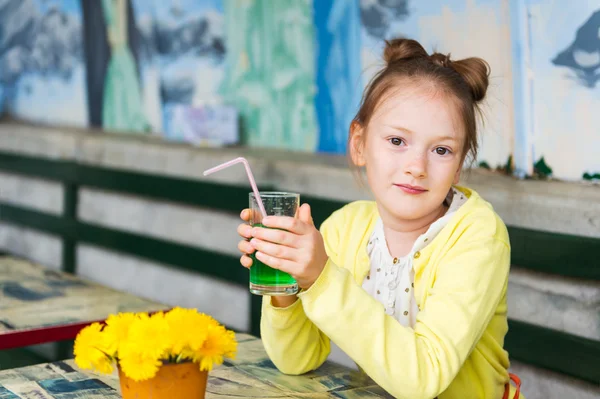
(299, 250)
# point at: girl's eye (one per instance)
(396, 141)
(442, 151)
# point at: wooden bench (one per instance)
(559, 254)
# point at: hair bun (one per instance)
(441, 59)
(402, 49)
(476, 72)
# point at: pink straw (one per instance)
(250, 177)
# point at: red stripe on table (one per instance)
(20, 338)
(44, 335)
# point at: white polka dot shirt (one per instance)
(390, 280)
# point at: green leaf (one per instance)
(485, 165)
(588, 176)
(541, 169)
(508, 167)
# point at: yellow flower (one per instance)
(136, 363)
(187, 332)
(149, 336)
(91, 349)
(230, 347)
(142, 344)
(117, 330)
(104, 365)
(219, 343)
(208, 320)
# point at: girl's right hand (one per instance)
(245, 231)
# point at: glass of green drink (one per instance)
(265, 280)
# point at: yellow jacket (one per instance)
(456, 347)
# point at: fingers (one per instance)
(245, 247)
(276, 236)
(246, 215)
(305, 215)
(285, 265)
(274, 250)
(246, 261)
(288, 223)
(251, 216)
(245, 230)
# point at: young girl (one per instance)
(413, 285)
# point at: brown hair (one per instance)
(465, 80)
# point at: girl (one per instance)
(413, 285)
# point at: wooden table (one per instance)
(39, 305)
(251, 375)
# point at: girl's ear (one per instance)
(357, 139)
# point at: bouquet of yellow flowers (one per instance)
(140, 344)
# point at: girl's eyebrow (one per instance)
(405, 130)
(446, 138)
(400, 128)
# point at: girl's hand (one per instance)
(299, 250)
(245, 231)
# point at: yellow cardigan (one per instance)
(456, 347)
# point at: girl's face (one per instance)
(412, 152)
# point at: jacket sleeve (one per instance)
(419, 362)
(293, 342)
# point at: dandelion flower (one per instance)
(219, 343)
(91, 349)
(136, 363)
(117, 330)
(149, 335)
(187, 332)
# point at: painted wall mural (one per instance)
(42, 66)
(114, 48)
(583, 54)
(189, 55)
(289, 74)
(565, 95)
(338, 70)
(269, 72)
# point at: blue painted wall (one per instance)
(296, 73)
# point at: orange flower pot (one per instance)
(182, 380)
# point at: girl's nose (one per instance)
(417, 166)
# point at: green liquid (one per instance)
(263, 275)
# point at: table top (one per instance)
(251, 375)
(39, 305)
